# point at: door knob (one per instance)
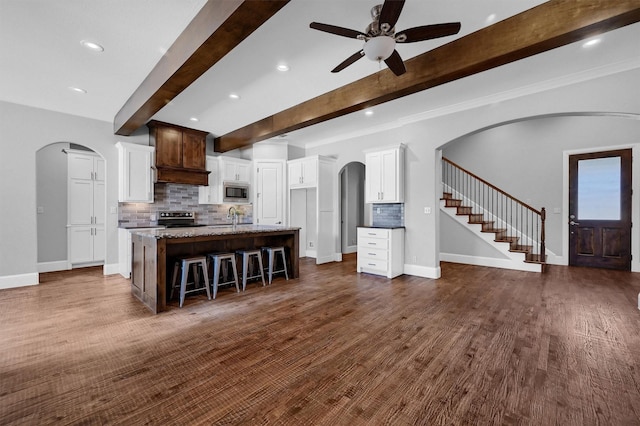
(574, 223)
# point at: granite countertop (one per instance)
(213, 230)
(382, 227)
(138, 226)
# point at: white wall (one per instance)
(23, 131)
(614, 93)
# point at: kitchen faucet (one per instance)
(233, 216)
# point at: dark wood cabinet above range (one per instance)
(180, 153)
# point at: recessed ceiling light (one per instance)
(194, 119)
(491, 18)
(368, 112)
(234, 96)
(591, 42)
(283, 67)
(92, 46)
(77, 89)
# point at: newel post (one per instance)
(543, 249)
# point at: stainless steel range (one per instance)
(177, 219)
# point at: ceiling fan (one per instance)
(380, 36)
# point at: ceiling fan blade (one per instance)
(395, 64)
(390, 12)
(344, 32)
(427, 32)
(350, 60)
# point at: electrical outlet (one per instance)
(427, 210)
(153, 217)
(113, 210)
(40, 210)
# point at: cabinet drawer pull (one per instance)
(373, 244)
(372, 264)
(372, 254)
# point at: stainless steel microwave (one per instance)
(235, 193)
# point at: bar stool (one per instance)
(249, 256)
(271, 256)
(223, 259)
(195, 263)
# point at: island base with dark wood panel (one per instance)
(155, 251)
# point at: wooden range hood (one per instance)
(180, 153)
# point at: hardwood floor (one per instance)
(480, 346)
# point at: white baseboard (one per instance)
(350, 249)
(422, 271)
(22, 280)
(325, 259)
(111, 269)
(490, 262)
(60, 265)
(337, 257)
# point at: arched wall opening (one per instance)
(528, 158)
(52, 205)
(352, 207)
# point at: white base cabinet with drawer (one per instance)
(381, 251)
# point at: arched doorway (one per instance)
(351, 205)
(53, 209)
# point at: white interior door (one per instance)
(269, 193)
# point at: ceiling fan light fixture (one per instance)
(379, 48)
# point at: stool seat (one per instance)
(223, 259)
(249, 256)
(271, 259)
(196, 264)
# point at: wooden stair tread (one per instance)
(496, 230)
(487, 227)
(521, 249)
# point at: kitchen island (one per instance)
(154, 252)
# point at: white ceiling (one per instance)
(41, 58)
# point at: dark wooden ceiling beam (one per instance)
(201, 45)
(542, 28)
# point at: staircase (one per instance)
(508, 224)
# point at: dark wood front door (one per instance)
(600, 209)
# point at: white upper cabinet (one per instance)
(303, 173)
(83, 166)
(86, 188)
(384, 175)
(135, 165)
(211, 194)
(235, 170)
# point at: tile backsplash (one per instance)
(390, 215)
(178, 197)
